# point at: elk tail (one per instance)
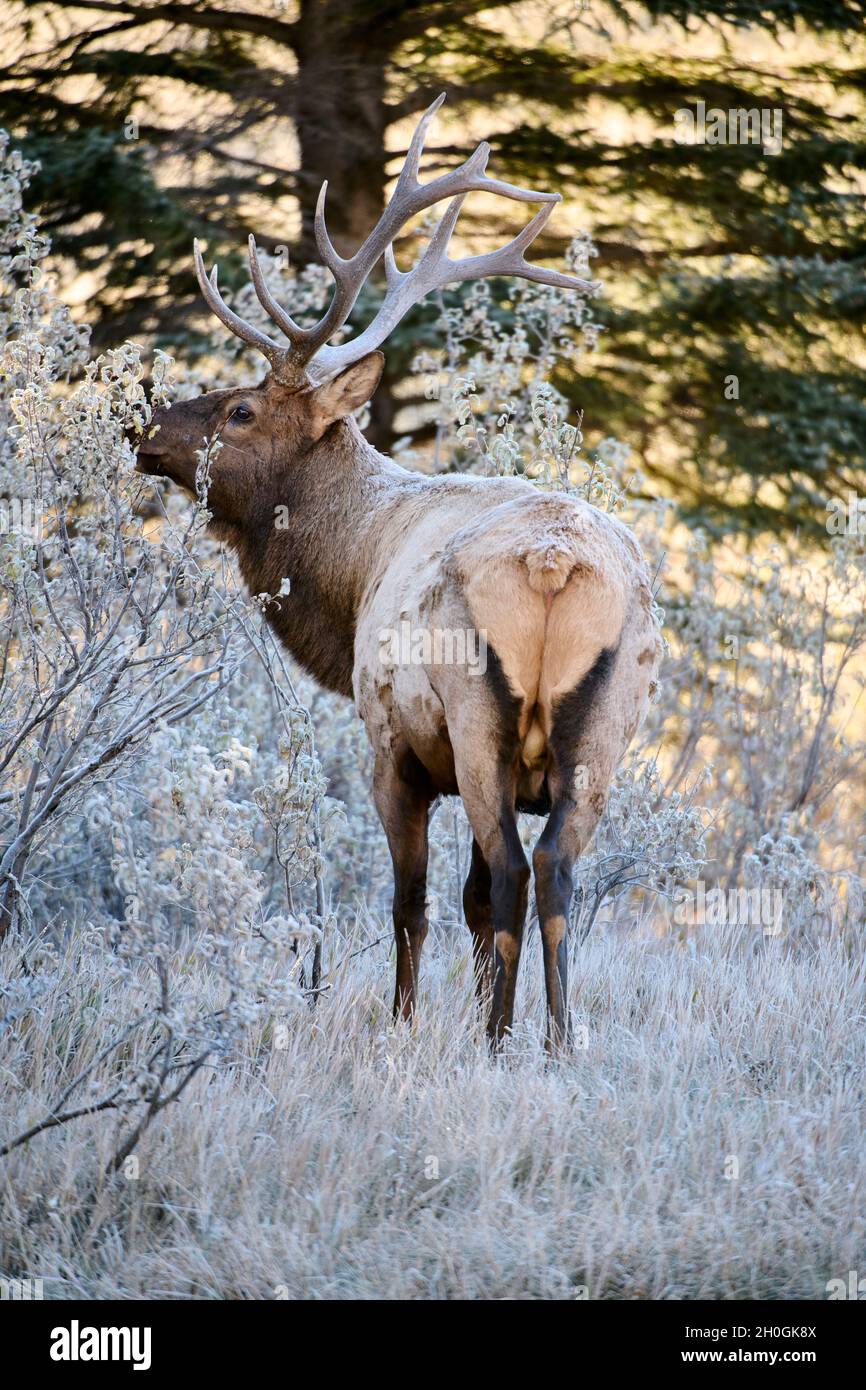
(550, 564)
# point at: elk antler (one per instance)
(308, 355)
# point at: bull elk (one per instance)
(558, 589)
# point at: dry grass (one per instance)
(363, 1162)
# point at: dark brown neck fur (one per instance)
(331, 494)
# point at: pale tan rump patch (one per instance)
(513, 619)
(545, 579)
(585, 617)
(545, 645)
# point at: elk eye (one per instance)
(242, 413)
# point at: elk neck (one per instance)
(317, 525)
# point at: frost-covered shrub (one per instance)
(762, 687)
(156, 804)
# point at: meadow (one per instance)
(704, 1142)
(204, 1095)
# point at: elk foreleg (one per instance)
(402, 799)
(478, 910)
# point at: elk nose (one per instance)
(147, 456)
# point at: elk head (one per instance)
(265, 430)
(260, 430)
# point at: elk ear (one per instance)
(346, 392)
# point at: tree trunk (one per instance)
(339, 112)
(341, 120)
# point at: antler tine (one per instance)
(392, 273)
(327, 250)
(509, 260)
(284, 321)
(215, 302)
(469, 177)
(348, 275)
(309, 346)
(435, 270)
(409, 198)
(409, 172)
(436, 250)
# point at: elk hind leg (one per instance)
(583, 738)
(552, 865)
(509, 873)
(570, 827)
(488, 796)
